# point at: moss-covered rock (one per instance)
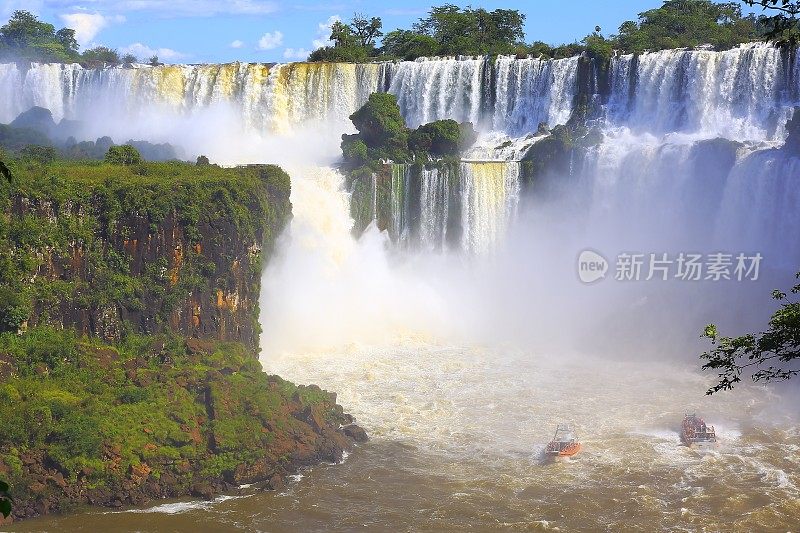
(150, 417)
(442, 138)
(110, 250)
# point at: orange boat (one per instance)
(563, 444)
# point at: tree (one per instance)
(100, 56)
(783, 27)
(409, 45)
(687, 23)
(202, 161)
(123, 154)
(473, 31)
(66, 36)
(129, 59)
(773, 354)
(366, 30)
(25, 36)
(153, 61)
(352, 43)
(44, 155)
(340, 54)
(379, 121)
(342, 35)
(25, 29)
(598, 46)
(442, 138)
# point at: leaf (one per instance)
(3, 486)
(5, 507)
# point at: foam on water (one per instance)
(184, 507)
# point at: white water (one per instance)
(739, 94)
(325, 289)
(435, 208)
(471, 363)
(490, 195)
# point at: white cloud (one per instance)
(144, 52)
(270, 41)
(324, 32)
(237, 44)
(298, 54)
(88, 25)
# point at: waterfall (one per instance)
(399, 208)
(435, 207)
(742, 93)
(489, 198)
(267, 99)
(531, 91)
(760, 206)
(527, 91)
(660, 111)
(434, 89)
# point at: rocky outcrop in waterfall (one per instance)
(161, 247)
(128, 337)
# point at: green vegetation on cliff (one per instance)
(449, 30)
(149, 417)
(25, 37)
(129, 330)
(112, 249)
(385, 162)
(383, 135)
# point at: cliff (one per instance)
(109, 250)
(128, 337)
(151, 417)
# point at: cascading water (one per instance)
(399, 212)
(532, 91)
(459, 425)
(435, 207)
(742, 93)
(490, 194)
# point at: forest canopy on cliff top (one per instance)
(449, 30)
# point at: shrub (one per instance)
(124, 154)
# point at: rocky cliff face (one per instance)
(128, 333)
(145, 254)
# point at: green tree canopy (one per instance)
(380, 123)
(783, 26)
(44, 155)
(123, 154)
(772, 355)
(24, 36)
(471, 31)
(352, 43)
(409, 45)
(442, 138)
(101, 56)
(687, 23)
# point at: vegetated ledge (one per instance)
(152, 417)
(111, 250)
(128, 337)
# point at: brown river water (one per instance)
(457, 439)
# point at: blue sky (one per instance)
(198, 31)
